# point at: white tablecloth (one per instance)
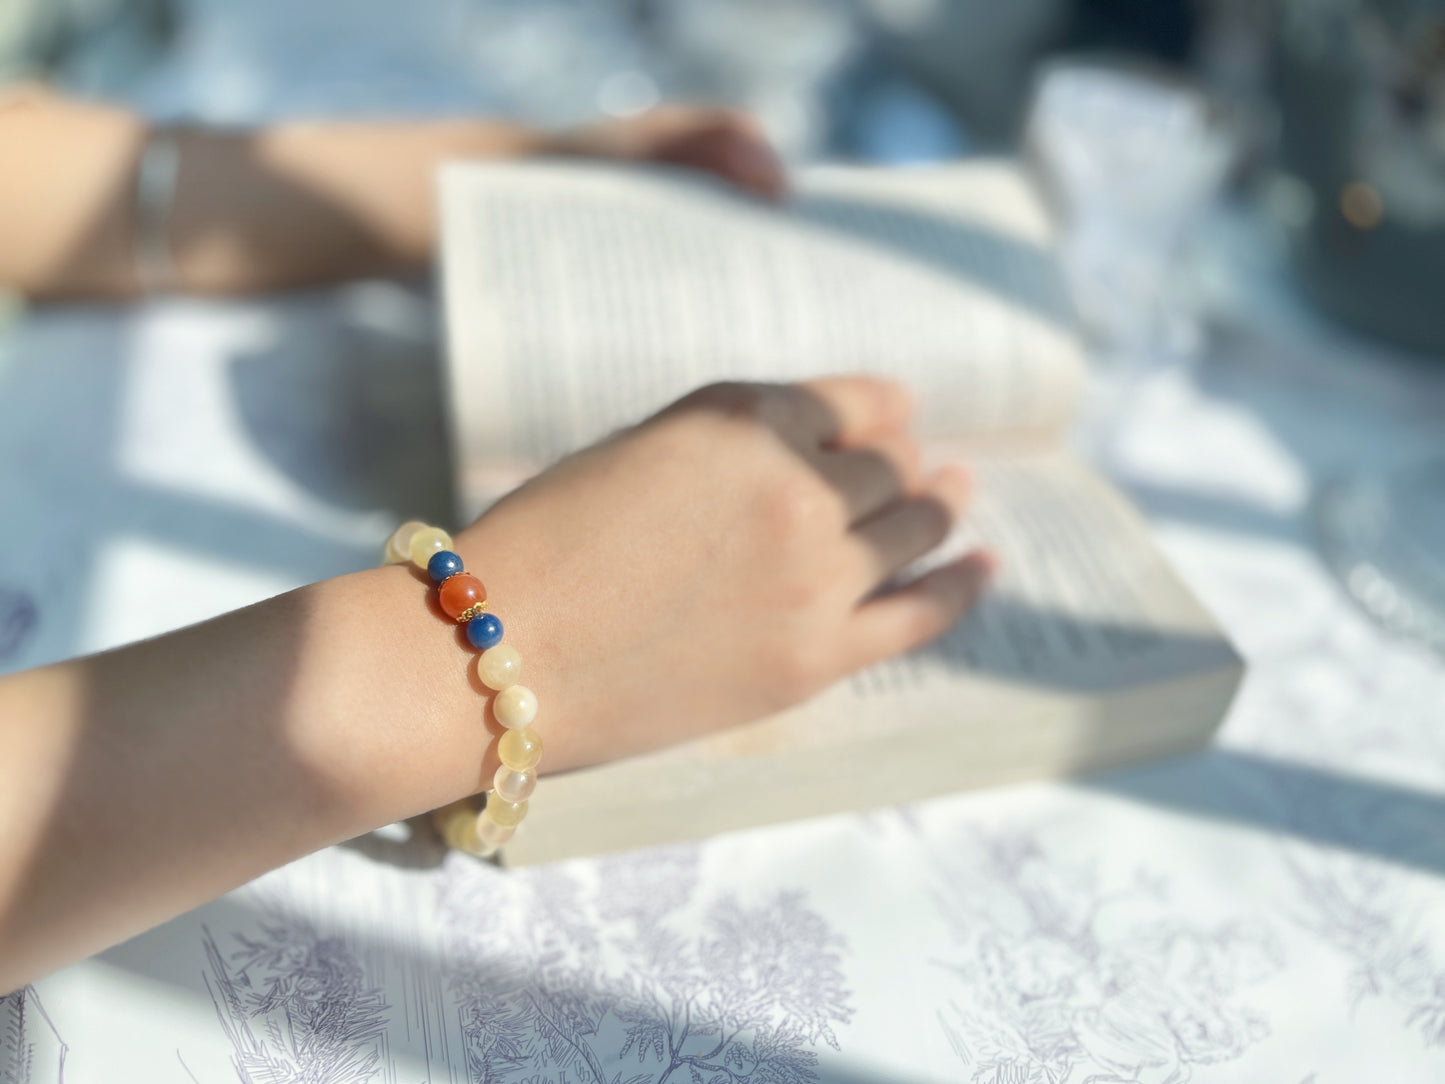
(1271, 910)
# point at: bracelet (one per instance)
(155, 189)
(463, 598)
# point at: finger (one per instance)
(907, 529)
(753, 164)
(725, 143)
(920, 612)
(870, 478)
(845, 411)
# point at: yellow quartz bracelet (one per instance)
(463, 598)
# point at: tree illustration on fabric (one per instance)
(31, 1050)
(296, 1006)
(616, 973)
(1060, 979)
(1364, 910)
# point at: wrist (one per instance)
(387, 707)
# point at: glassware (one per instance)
(1132, 157)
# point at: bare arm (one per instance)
(714, 564)
(285, 206)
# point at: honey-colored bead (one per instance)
(490, 835)
(507, 814)
(459, 593)
(500, 666)
(520, 749)
(457, 825)
(425, 542)
(398, 546)
(515, 706)
(511, 785)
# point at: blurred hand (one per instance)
(721, 141)
(720, 561)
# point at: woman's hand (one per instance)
(718, 562)
(724, 142)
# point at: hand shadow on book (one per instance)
(1012, 639)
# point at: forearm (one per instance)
(300, 204)
(251, 211)
(139, 783)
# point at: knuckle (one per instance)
(790, 509)
(731, 399)
(802, 594)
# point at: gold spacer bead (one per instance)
(471, 611)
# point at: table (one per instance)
(1273, 909)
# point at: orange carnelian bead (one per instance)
(460, 593)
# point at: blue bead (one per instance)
(443, 563)
(484, 631)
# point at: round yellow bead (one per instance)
(457, 825)
(507, 814)
(491, 835)
(515, 706)
(425, 542)
(511, 785)
(398, 546)
(500, 666)
(520, 749)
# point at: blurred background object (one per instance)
(1360, 192)
(1383, 534)
(1362, 157)
(1134, 156)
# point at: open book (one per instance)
(581, 298)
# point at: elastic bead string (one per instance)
(463, 598)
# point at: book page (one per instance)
(581, 298)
